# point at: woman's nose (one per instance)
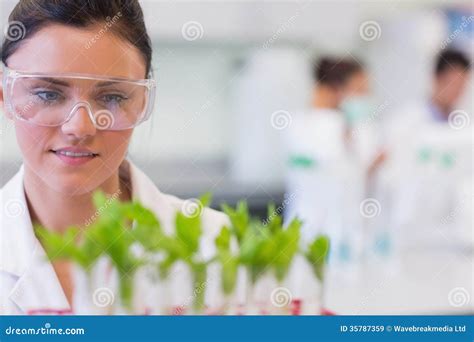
(80, 123)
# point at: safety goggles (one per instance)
(52, 99)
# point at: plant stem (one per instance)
(126, 291)
(199, 288)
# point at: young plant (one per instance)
(286, 244)
(239, 218)
(112, 235)
(317, 254)
(184, 246)
(228, 261)
(270, 245)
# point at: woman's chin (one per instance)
(73, 184)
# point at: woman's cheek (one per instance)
(33, 142)
(115, 146)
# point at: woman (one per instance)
(76, 81)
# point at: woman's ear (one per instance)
(2, 100)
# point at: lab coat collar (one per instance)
(38, 288)
(16, 239)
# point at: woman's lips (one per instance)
(74, 156)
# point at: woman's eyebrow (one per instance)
(54, 81)
(106, 83)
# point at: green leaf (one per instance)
(188, 231)
(239, 218)
(286, 245)
(206, 199)
(274, 221)
(223, 239)
(317, 255)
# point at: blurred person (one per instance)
(319, 187)
(361, 115)
(317, 149)
(451, 76)
(428, 160)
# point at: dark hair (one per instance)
(334, 72)
(123, 17)
(449, 59)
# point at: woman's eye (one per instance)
(113, 98)
(48, 96)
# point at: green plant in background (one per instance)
(120, 227)
(184, 246)
(228, 260)
(272, 245)
(252, 240)
(110, 235)
(317, 254)
(239, 218)
(286, 244)
(264, 245)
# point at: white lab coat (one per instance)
(318, 170)
(323, 189)
(28, 282)
(427, 199)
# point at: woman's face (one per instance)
(63, 49)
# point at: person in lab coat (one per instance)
(320, 168)
(429, 150)
(76, 81)
(450, 78)
(360, 112)
(317, 149)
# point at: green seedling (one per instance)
(228, 261)
(317, 254)
(184, 246)
(112, 235)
